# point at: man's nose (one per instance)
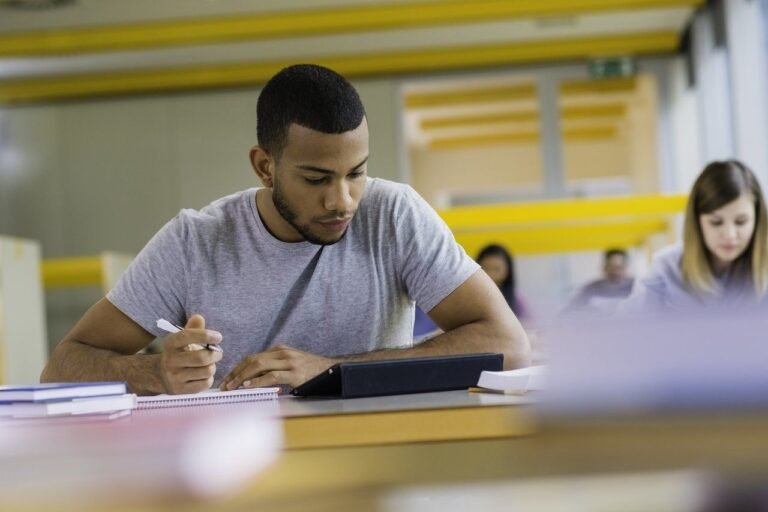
(339, 198)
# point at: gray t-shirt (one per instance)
(350, 297)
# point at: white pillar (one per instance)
(747, 59)
(713, 90)
(23, 343)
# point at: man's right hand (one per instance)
(185, 366)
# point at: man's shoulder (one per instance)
(382, 190)
(220, 216)
(221, 210)
(385, 198)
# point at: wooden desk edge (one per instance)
(408, 426)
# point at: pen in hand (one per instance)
(169, 327)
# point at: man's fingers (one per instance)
(253, 361)
(201, 373)
(253, 368)
(275, 378)
(181, 340)
(195, 322)
(196, 386)
(193, 359)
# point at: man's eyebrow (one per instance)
(328, 171)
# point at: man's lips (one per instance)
(335, 224)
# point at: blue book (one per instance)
(60, 391)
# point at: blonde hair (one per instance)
(719, 184)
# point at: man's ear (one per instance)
(264, 165)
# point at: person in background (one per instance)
(498, 263)
(605, 293)
(723, 258)
(500, 267)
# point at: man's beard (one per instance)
(289, 216)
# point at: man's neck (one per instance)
(273, 221)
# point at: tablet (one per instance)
(356, 379)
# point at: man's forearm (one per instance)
(469, 338)
(72, 361)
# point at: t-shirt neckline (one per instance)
(265, 234)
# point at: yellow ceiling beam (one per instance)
(491, 139)
(249, 74)
(570, 134)
(589, 133)
(435, 123)
(564, 238)
(471, 95)
(521, 92)
(307, 22)
(610, 111)
(604, 86)
(568, 210)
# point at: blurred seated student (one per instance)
(605, 293)
(497, 262)
(724, 254)
(500, 267)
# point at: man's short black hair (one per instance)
(308, 95)
(610, 253)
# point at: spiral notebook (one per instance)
(207, 398)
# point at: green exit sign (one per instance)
(612, 68)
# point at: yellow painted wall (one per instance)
(483, 169)
(600, 158)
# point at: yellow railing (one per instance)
(66, 272)
(102, 270)
(564, 225)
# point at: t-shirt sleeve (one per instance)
(154, 285)
(432, 264)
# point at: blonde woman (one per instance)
(724, 254)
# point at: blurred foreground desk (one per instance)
(445, 416)
(734, 446)
(329, 466)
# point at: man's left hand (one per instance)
(278, 366)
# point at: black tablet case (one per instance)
(400, 376)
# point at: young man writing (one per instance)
(321, 264)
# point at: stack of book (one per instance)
(78, 399)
